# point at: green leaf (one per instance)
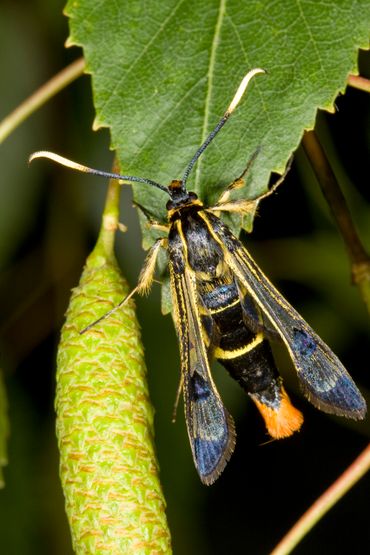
(164, 72)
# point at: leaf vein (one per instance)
(160, 29)
(310, 35)
(168, 116)
(210, 74)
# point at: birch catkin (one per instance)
(108, 467)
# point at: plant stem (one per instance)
(359, 82)
(111, 222)
(4, 428)
(360, 260)
(42, 95)
(322, 505)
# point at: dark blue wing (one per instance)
(322, 376)
(210, 427)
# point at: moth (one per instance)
(225, 308)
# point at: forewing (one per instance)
(322, 376)
(254, 318)
(210, 427)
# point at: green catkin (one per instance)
(108, 467)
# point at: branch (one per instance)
(40, 97)
(360, 260)
(358, 82)
(324, 503)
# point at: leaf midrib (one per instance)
(210, 75)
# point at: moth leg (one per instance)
(277, 183)
(239, 182)
(246, 206)
(147, 271)
(144, 284)
(155, 224)
(241, 206)
(177, 399)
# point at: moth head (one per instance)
(180, 197)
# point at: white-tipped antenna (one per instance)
(60, 160)
(85, 169)
(233, 104)
(242, 87)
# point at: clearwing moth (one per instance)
(225, 308)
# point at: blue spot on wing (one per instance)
(346, 396)
(208, 454)
(303, 343)
(211, 432)
(341, 397)
(199, 389)
(325, 380)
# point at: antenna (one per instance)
(85, 169)
(233, 104)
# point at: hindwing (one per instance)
(323, 378)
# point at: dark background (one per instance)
(49, 219)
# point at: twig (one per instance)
(325, 502)
(42, 95)
(359, 82)
(360, 260)
(110, 222)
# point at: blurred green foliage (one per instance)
(49, 220)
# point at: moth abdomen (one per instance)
(247, 357)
